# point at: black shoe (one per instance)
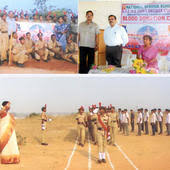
(99, 161)
(44, 143)
(104, 160)
(45, 61)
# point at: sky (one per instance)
(29, 4)
(65, 94)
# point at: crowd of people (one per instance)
(62, 44)
(103, 122)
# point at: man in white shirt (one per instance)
(115, 37)
(146, 119)
(156, 113)
(167, 111)
(153, 121)
(139, 121)
(125, 122)
(160, 120)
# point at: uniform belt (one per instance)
(114, 46)
(4, 31)
(100, 128)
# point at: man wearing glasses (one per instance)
(88, 42)
(115, 37)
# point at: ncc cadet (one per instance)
(29, 45)
(153, 121)
(94, 125)
(125, 122)
(20, 55)
(139, 122)
(120, 119)
(41, 51)
(54, 47)
(4, 38)
(81, 126)
(43, 125)
(102, 134)
(71, 51)
(112, 123)
(167, 111)
(89, 122)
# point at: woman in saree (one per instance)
(8, 143)
(61, 29)
(149, 54)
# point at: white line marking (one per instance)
(126, 157)
(69, 160)
(89, 155)
(108, 156)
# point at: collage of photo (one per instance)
(85, 84)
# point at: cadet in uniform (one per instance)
(4, 39)
(41, 50)
(113, 121)
(146, 119)
(160, 119)
(19, 52)
(54, 47)
(102, 133)
(29, 45)
(89, 122)
(139, 122)
(120, 119)
(43, 125)
(71, 51)
(125, 122)
(168, 121)
(81, 126)
(94, 125)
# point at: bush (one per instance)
(33, 115)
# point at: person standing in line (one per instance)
(146, 119)
(120, 119)
(88, 43)
(139, 121)
(125, 122)
(132, 120)
(115, 37)
(153, 121)
(142, 125)
(160, 120)
(168, 121)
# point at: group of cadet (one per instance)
(102, 123)
(19, 50)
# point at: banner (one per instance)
(147, 19)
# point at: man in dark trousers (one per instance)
(88, 43)
(132, 120)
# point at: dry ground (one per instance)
(53, 66)
(146, 152)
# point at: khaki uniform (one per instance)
(101, 134)
(40, 50)
(81, 123)
(89, 121)
(112, 124)
(19, 53)
(54, 48)
(29, 45)
(43, 127)
(94, 127)
(71, 51)
(4, 39)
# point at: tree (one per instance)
(41, 5)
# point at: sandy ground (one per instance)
(53, 66)
(145, 152)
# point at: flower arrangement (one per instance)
(140, 68)
(108, 69)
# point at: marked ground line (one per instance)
(126, 156)
(89, 155)
(69, 160)
(108, 156)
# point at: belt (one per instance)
(100, 128)
(114, 46)
(4, 31)
(113, 121)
